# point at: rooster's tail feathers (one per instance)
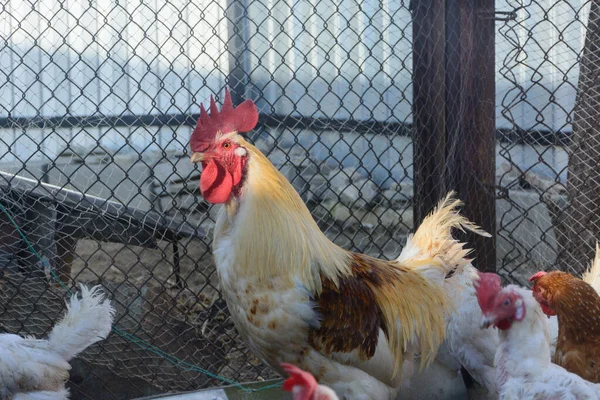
(87, 321)
(592, 276)
(433, 245)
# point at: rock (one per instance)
(359, 193)
(265, 143)
(291, 164)
(88, 379)
(350, 187)
(507, 174)
(341, 177)
(546, 185)
(318, 186)
(314, 173)
(296, 156)
(398, 193)
(341, 214)
(388, 218)
(278, 157)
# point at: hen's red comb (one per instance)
(242, 118)
(298, 377)
(537, 276)
(486, 288)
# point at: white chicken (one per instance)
(36, 369)
(523, 367)
(475, 349)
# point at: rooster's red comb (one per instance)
(242, 118)
(298, 377)
(487, 287)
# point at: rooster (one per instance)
(577, 306)
(523, 367)
(304, 386)
(355, 322)
(32, 369)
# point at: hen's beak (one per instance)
(486, 321)
(197, 157)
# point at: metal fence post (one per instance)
(237, 48)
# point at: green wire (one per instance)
(132, 338)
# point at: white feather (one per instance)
(29, 365)
(87, 321)
(592, 276)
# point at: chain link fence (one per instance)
(547, 157)
(99, 100)
(98, 103)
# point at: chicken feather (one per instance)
(592, 275)
(577, 307)
(37, 369)
(475, 349)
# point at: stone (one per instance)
(318, 186)
(277, 157)
(388, 218)
(359, 193)
(507, 174)
(398, 193)
(350, 187)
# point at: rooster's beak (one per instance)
(486, 321)
(197, 157)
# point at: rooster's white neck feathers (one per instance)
(289, 245)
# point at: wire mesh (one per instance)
(547, 153)
(99, 99)
(98, 103)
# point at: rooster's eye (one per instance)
(506, 302)
(226, 145)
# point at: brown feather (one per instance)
(376, 296)
(350, 315)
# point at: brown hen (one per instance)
(577, 306)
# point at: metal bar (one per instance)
(274, 120)
(503, 135)
(157, 224)
(177, 264)
(237, 46)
